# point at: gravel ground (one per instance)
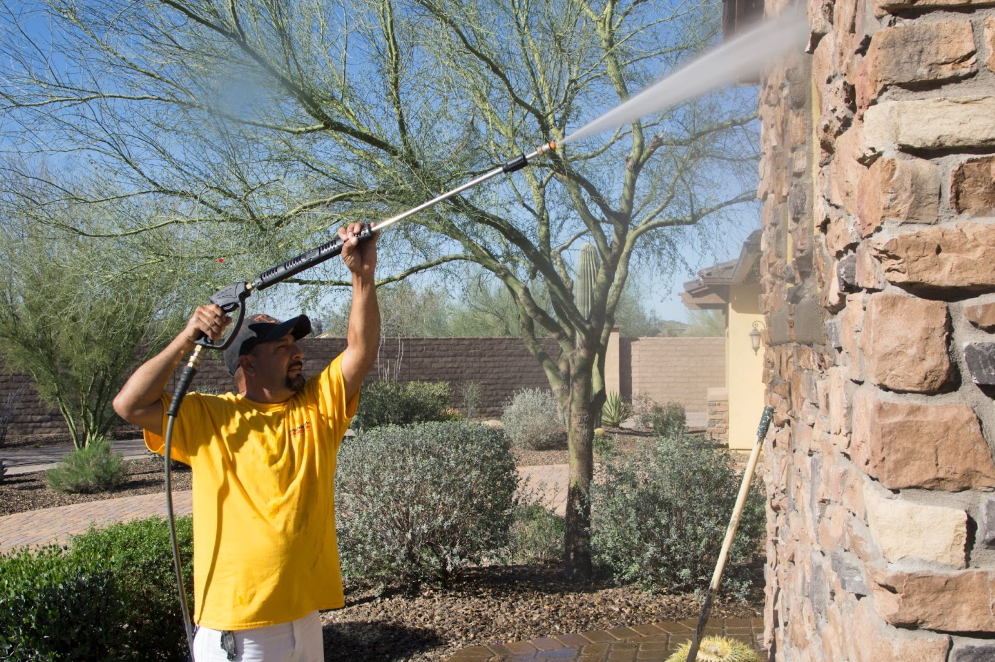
(498, 604)
(29, 491)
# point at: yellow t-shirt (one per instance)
(265, 550)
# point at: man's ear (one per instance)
(245, 366)
(239, 378)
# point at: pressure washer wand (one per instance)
(744, 491)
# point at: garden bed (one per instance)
(29, 491)
(500, 604)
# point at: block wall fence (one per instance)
(878, 273)
(666, 369)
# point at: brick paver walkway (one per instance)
(653, 642)
(40, 527)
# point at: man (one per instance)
(263, 462)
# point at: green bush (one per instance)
(668, 420)
(138, 554)
(532, 420)
(659, 517)
(93, 468)
(110, 595)
(419, 502)
(536, 536)
(401, 403)
(616, 410)
(52, 607)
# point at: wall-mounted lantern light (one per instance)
(755, 335)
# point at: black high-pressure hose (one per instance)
(233, 298)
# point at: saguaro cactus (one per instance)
(587, 272)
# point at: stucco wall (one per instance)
(744, 368)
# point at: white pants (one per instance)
(296, 641)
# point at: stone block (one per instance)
(850, 573)
(913, 445)
(840, 233)
(905, 343)
(846, 274)
(876, 641)
(942, 123)
(986, 522)
(915, 53)
(981, 315)
(845, 169)
(990, 41)
(840, 401)
(901, 190)
(870, 274)
(882, 6)
(809, 322)
(909, 531)
(851, 324)
(972, 187)
(980, 360)
(982, 651)
(778, 329)
(956, 601)
(958, 256)
(833, 334)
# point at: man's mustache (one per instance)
(296, 364)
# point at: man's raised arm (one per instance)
(363, 334)
(139, 399)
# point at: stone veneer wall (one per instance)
(718, 415)
(878, 273)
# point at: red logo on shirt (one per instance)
(300, 430)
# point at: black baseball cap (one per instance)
(257, 329)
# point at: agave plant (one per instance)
(615, 410)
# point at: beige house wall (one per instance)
(744, 368)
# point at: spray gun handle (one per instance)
(229, 298)
(306, 260)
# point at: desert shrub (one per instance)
(604, 443)
(401, 403)
(659, 516)
(616, 410)
(93, 468)
(138, 555)
(419, 502)
(536, 536)
(470, 395)
(532, 420)
(52, 607)
(668, 420)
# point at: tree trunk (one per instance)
(577, 538)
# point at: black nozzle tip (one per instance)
(516, 163)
